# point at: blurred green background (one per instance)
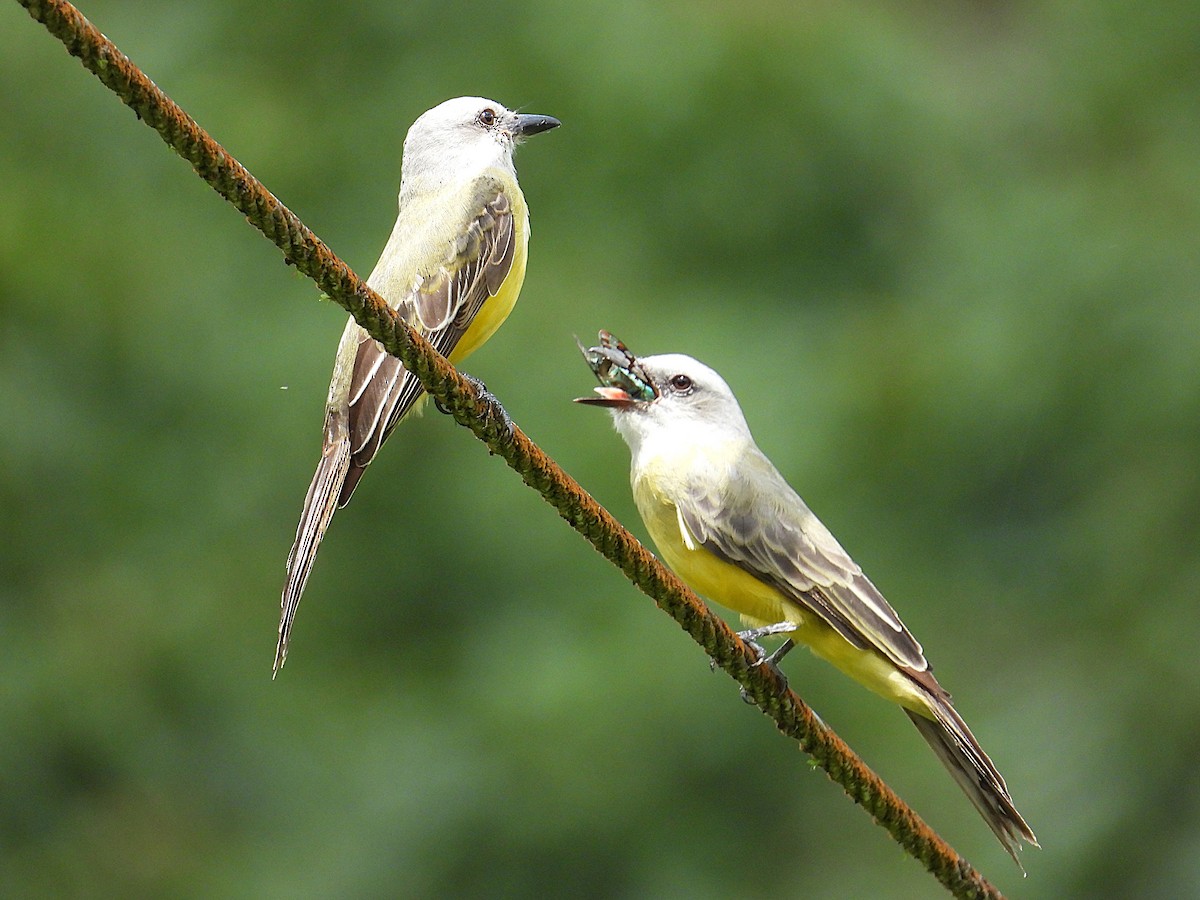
(948, 256)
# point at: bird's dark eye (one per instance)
(487, 118)
(681, 384)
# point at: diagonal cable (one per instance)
(486, 419)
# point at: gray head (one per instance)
(466, 135)
(670, 394)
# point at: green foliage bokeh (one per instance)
(948, 256)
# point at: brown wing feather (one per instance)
(958, 750)
(319, 507)
(442, 306)
(797, 555)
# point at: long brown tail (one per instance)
(319, 506)
(961, 754)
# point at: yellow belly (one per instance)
(760, 604)
(495, 309)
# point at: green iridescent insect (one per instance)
(616, 367)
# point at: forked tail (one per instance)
(319, 506)
(961, 754)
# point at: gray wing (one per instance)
(774, 535)
(442, 307)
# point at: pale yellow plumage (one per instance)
(728, 523)
(452, 268)
(757, 602)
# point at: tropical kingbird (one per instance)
(729, 524)
(452, 269)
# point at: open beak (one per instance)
(624, 383)
(612, 397)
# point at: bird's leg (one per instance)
(750, 639)
(485, 395)
(489, 399)
(751, 636)
(780, 652)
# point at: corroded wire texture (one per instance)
(487, 420)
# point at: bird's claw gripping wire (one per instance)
(750, 638)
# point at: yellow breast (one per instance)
(708, 575)
(495, 309)
(759, 603)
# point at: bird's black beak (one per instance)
(528, 124)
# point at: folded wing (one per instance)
(757, 522)
(441, 306)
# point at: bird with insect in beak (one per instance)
(730, 526)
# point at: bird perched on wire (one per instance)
(730, 526)
(452, 269)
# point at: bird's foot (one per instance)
(489, 400)
(751, 635)
(750, 638)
